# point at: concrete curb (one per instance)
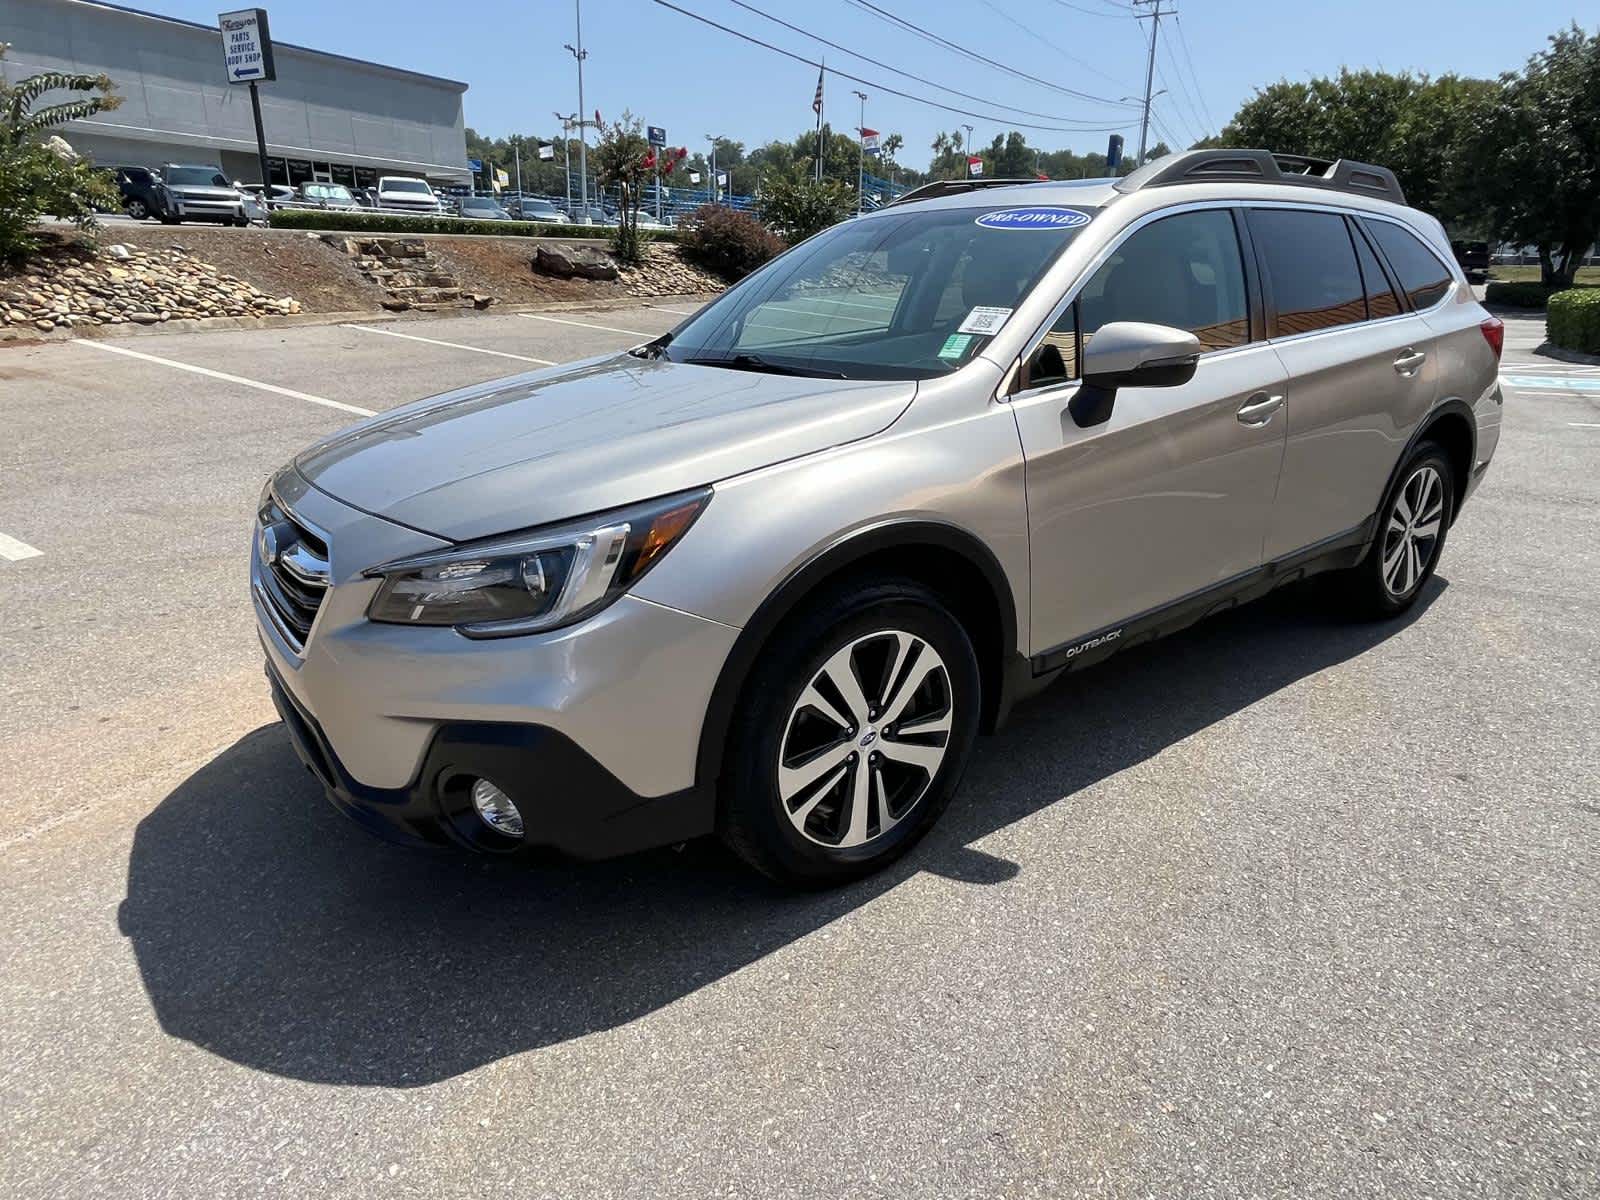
(27, 337)
(1546, 350)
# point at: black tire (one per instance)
(753, 817)
(138, 210)
(1382, 585)
(170, 219)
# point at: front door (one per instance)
(1173, 493)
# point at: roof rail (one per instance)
(950, 187)
(1263, 166)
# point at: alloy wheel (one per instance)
(1412, 530)
(865, 740)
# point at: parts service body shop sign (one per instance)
(246, 45)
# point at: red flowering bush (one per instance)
(727, 241)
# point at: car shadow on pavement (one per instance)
(276, 934)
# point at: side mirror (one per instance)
(1131, 354)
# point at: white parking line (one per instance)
(411, 337)
(226, 378)
(682, 312)
(885, 303)
(588, 325)
(1584, 424)
(1522, 391)
(14, 551)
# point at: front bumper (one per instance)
(593, 730)
(216, 210)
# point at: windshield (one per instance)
(479, 206)
(912, 295)
(539, 206)
(197, 177)
(407, 185)
(328, 191)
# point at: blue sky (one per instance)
(695, 80)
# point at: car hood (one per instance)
(554, 444)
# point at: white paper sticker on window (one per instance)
(984, 320)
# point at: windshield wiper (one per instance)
(754, 362)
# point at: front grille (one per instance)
(293, 575)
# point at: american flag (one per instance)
(816, 101)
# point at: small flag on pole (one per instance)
(869, 140)
(816, 101)
(974, 165)
(547, 151)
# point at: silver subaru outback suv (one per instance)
(770, 574)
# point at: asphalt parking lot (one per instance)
(1283, 906)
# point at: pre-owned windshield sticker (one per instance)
(1042, 217)
(955, 345)
(983, 320)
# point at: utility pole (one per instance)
(566, 152)
(516, 148)
(712, 138)
(579, 53)
(966, 167)
(861, 162)
(1150, 66)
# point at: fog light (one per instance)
(496, 809)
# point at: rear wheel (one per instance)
(852, 734)
(1411, 529)
(138, 210)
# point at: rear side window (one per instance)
(1424, 278)
(1381, 300)
(1311, 267)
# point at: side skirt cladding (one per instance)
(1332, 554)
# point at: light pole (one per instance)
(566, 151)
(579, 53)
(966, 166)
(1144, 124)
(1149, 70)
(861, 160)
(712, 138)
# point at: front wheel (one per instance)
(138, 210)
(852, 735)
(1411, 529)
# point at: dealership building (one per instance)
(327, 117)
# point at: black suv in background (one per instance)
(143, 193)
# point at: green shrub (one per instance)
(1517, 295)
(797, 206)
(338, 221)
(1573, 320)
(727, 241)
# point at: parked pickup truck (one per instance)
(403, 193)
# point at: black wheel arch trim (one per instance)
(863, 544)
(1453, 406)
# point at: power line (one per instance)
(1180, 97)
(882, 87)
(1042, 40)
(943, 87)
(926, 35)
(1183, 41)
(1093, 12)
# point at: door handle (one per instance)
(1259, 408)
(1409, 361)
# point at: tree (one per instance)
(625, 160)
(795, 205)
(1536, 154)
(40, 174)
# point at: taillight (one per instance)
(1494, 332)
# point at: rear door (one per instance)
(1360, 364)
(1172, 494)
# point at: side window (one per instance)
(1424, 278)
(1055, 359)
(1381, 300)
(1311, 266)
(1184, 271)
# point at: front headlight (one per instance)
(534, 581)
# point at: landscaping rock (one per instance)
(569, 262)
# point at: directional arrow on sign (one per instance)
(242, 72)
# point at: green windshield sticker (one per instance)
(955, 345)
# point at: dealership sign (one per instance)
(246, 45)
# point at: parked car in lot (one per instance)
(197, 192)
(327, 195)
(1473, 257)
(143, 195)
(405, 194)
(770, 574)
(530, 209)
(482, 208)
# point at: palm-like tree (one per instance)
(20, 121)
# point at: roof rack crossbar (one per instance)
(1263, 166)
